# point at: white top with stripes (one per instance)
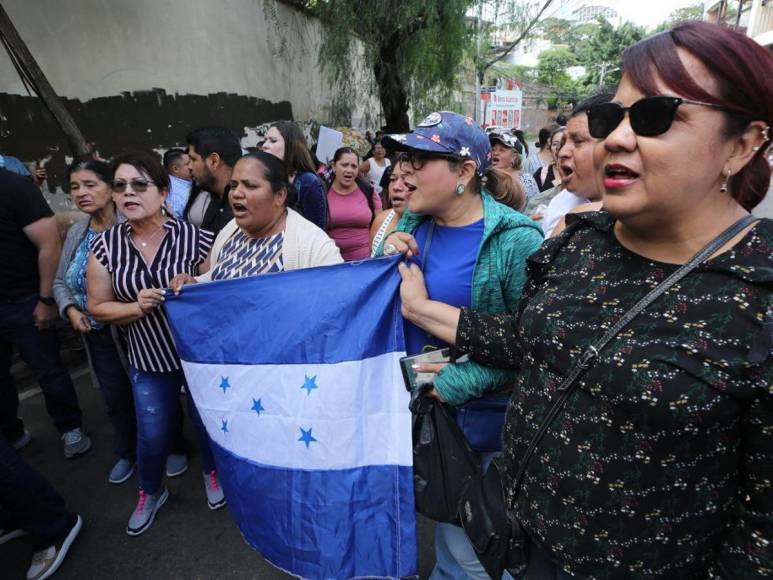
(183, 248)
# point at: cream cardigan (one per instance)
(304, 246)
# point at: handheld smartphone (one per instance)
(414, 380)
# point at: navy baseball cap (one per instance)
(446, 133)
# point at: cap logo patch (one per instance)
(431, 120)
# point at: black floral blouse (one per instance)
(661, 463)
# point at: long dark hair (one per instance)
(364, 186)
(297, 156)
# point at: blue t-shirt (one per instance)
(448, 269)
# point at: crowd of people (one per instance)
(661, 462)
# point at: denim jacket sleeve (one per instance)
(312, 201)
(62, 294)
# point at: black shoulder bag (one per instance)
(497, 536)
(446, 442)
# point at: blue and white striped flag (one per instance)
(297, 380)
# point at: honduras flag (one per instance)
(296, 376)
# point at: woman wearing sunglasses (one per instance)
(660, 464)
(129, 267)
(473, 251)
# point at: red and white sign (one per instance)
(503, 108)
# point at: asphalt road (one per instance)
(187, 540)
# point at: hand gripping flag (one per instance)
(297, 381)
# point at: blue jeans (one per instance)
(116, 389)
(454, 555)
(157, 402)
(40, 350)
(28, 502)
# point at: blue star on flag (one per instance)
(224, 384)
(310, 384)
(306, 436)
(224, 428)
(257, 406)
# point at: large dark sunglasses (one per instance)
(137, 185)
(649, 117)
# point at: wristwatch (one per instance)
(47, 300)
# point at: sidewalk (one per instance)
(187, 540)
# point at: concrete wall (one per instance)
(142, 73)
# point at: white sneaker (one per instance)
(47, 561)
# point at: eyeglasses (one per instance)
(650, 116)
(417, 159)
(137, 185)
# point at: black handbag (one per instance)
(443, 462)
(495, 533)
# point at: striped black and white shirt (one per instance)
(183, 248)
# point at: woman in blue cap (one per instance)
(473, 253)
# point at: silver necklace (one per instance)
(144, 243)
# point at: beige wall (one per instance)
(97, 48)
(141, 74)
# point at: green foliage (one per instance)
(694, 12)
(552, 65)
(413, 47)
(551, 71)
(560, 31)
(505, 70)
(601, 55)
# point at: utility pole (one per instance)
(478, 76)
(19, 52)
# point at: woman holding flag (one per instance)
(473, 252)
(638, 443)
(266, 234)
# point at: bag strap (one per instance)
(568, 385)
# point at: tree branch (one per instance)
(506, 50)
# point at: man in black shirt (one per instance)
(213, 152)
(29, 254)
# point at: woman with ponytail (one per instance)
(473, 252)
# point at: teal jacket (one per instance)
(509, 238)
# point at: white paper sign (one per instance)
(328, 142)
